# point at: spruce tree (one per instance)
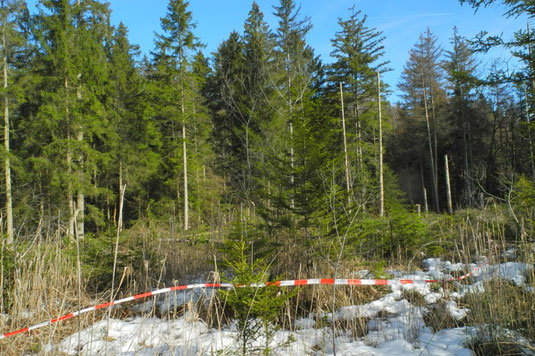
(358, 51)
(296, 72)
(172, 59)
(243, 87)
(227, 101)
(423, 94)
(134, 140)
(258, 53)
(203, 185)
(294, 58)
(12, 43)
(70, 120)
(460, 67)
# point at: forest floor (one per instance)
(407, 319)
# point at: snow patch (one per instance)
(394, 325)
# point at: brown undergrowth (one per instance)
(40, 280)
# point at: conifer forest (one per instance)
(124, 172)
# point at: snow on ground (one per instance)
(401, 335)
(395, 326)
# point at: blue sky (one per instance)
(401, 21)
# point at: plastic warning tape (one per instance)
(288, 283)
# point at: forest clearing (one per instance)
(266, 198)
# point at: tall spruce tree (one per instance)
(202, 154)
(12, 42)
(72, 72)
(135, 140)
(227, 101)
(423, 94)
(243, 74)
(297, 71)
(358, 52)
(172, 59)
(258, 53)
(460, 67)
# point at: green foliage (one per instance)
(243, 112)
(523, 197)
(423, 100)
(378, 270)
(97, 257)
(515, 7)
(8, 268)
(467, 127)
(255, 308)
(65, 116)
(395, 235)
(134, 141)
(258, 245)
(358, 53)
(523, 205)
(260, 126)
(177, 79)
(407, 230)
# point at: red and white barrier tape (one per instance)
(288, 283)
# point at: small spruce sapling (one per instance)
(254, 306)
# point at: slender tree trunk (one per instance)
(358, 128)
(360, 160)
(184, 152)
(359, 142)
(357, 125)
(76, 211)
(346, 158)
(426, 205)
(68, 158)
(185, 163)
(7, 163)
(431, 155)
(80, 197)
(530, 141)
(381, 182)
(448, 187)
(120, 222)
(491, 157)
(247, 178)
(290, 107)
(532, 160)
(435, 141)
(70, 198)
(185, 159)
(122, 190)
(467, 179)
(41, 209)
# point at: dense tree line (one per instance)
(262, 126)
(480, 119)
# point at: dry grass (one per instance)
(504, 311)
(502, 314)
(414, 297)
(499, 346)
(44, 284)
(438, 317)
(40, 282)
